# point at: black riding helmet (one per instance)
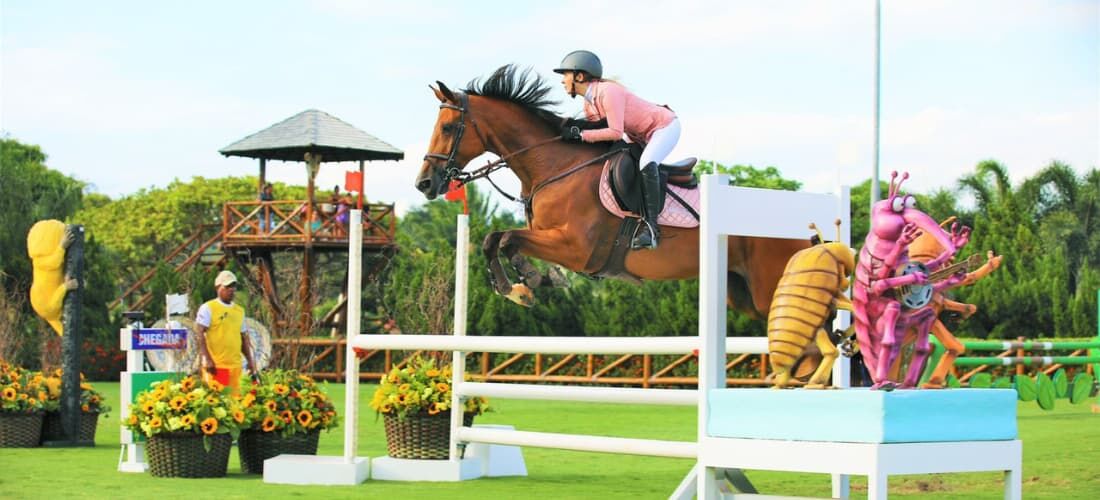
(581, 60)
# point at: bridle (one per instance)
(452, 171)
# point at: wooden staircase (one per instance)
(201, 248)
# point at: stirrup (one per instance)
(644, 231)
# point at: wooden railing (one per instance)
(295, 222)
(323, 359)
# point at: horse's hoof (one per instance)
(521, 295)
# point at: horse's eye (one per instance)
(448, 128)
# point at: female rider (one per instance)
(655, 127)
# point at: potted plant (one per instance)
(20, 407)
(415, 403)
(190, 426)
(287, 412)
(92, 404)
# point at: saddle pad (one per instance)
(673, 214)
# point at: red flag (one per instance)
(353, 181)
(457, 191)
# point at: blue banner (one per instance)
(145, 339)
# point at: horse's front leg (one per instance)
(498, 279)
(542, 244)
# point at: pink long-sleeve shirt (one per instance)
(625, 112)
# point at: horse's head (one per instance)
(450, 147)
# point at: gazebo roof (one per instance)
(313, 131)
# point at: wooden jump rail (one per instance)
(581, 369)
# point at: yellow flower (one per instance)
(216, 386)
(403, 388)
(281, 389)
(148, 407)
(187, 384)
(270, 405)
(9, 393)
(442, 387)
(287, 416)
(132, 420)
(209, 426)
(42, 395)
(305, 417)
(178, 403)
(433, 409)
(193, 396)
(432, 372)
(211, 400)
(238, 415)
(269, 424)
(385, 408)
(187, 421)
(86, 386)
(248, 400)
(155, 422)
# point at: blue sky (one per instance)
(126, 95)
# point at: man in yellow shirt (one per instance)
(220, 332)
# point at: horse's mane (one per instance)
(523, 87)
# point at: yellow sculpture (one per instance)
(46, 245)
(811, 288)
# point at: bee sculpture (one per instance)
(811, 289)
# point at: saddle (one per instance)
(626, 180)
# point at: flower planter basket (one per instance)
(52, 429)
(183, 455)
(20, 430)
(256, 446)
(421, 436)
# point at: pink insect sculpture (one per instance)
(892, 294)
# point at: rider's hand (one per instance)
(571, 133)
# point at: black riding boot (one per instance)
(647, 233)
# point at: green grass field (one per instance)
(1061, 460)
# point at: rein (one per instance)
(453, 172)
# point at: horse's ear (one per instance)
(446, 92)
(438, 95)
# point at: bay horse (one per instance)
(507, 114)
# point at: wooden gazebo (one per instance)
(252, 230)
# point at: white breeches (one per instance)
(660, 144)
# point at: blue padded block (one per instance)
(863, 416)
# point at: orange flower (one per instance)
(154, 422)
(270, 405)
(9, 393)
(84, 408)
(209, 426)
(42, 396)
(442, 387)
(305, 417)
(433, 409)
(132, 420)
(238, 415)
(432, 372)
(287, 416)
(269, 424)
(178, 403)
(281, 389)
(187, 384)
(187, 421)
